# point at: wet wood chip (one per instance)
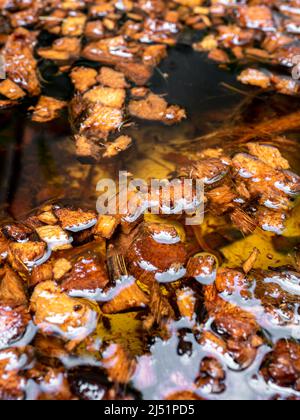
(61, 267)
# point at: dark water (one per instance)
(37, 163)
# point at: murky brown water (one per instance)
(37, 164)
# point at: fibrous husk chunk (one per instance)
(51, 382)
(243, 221)
(219, 56)
(210, 170)
(119, 365)
(60, 268)
(16, 231)
(13, 364)
(74, 25)
(94, 30)
(41, 273)
(83, 78)
(255, 77)
(95, 116)
(282, 365)
(109, 51)
(87, 150)
(202, 267)
(155, 108)
(106, 96)
(102, 120)
(7, 103)
(271, 220)
(227, 280)
(273, 187)
(211, 376)
(186, 302)
(101, 10)
(26, 17)
(13, 324)
(27, 253)
(56, 313)
(52, 23)
(238, 327)
(221, 199)
(91, 384)
(48, 218)
(49, 346)
(106, 226)
(256, 17)
(269, 155)
(154, 54)
(88, 273)
(266, 79)
(66, 49)
(160, 309)
(55, 237)
(12, 289)
(208, 43)
(279, 303)
(121, 144)
(11, 90)
(285, 85)
(233, 35)
(137, 73)
(130, 298)
(20, 64)
(146, 253)
(75, 219)
(112, 78)
(250, 262)
(139, 92)
(47, 109)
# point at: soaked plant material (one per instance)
(143, 306)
